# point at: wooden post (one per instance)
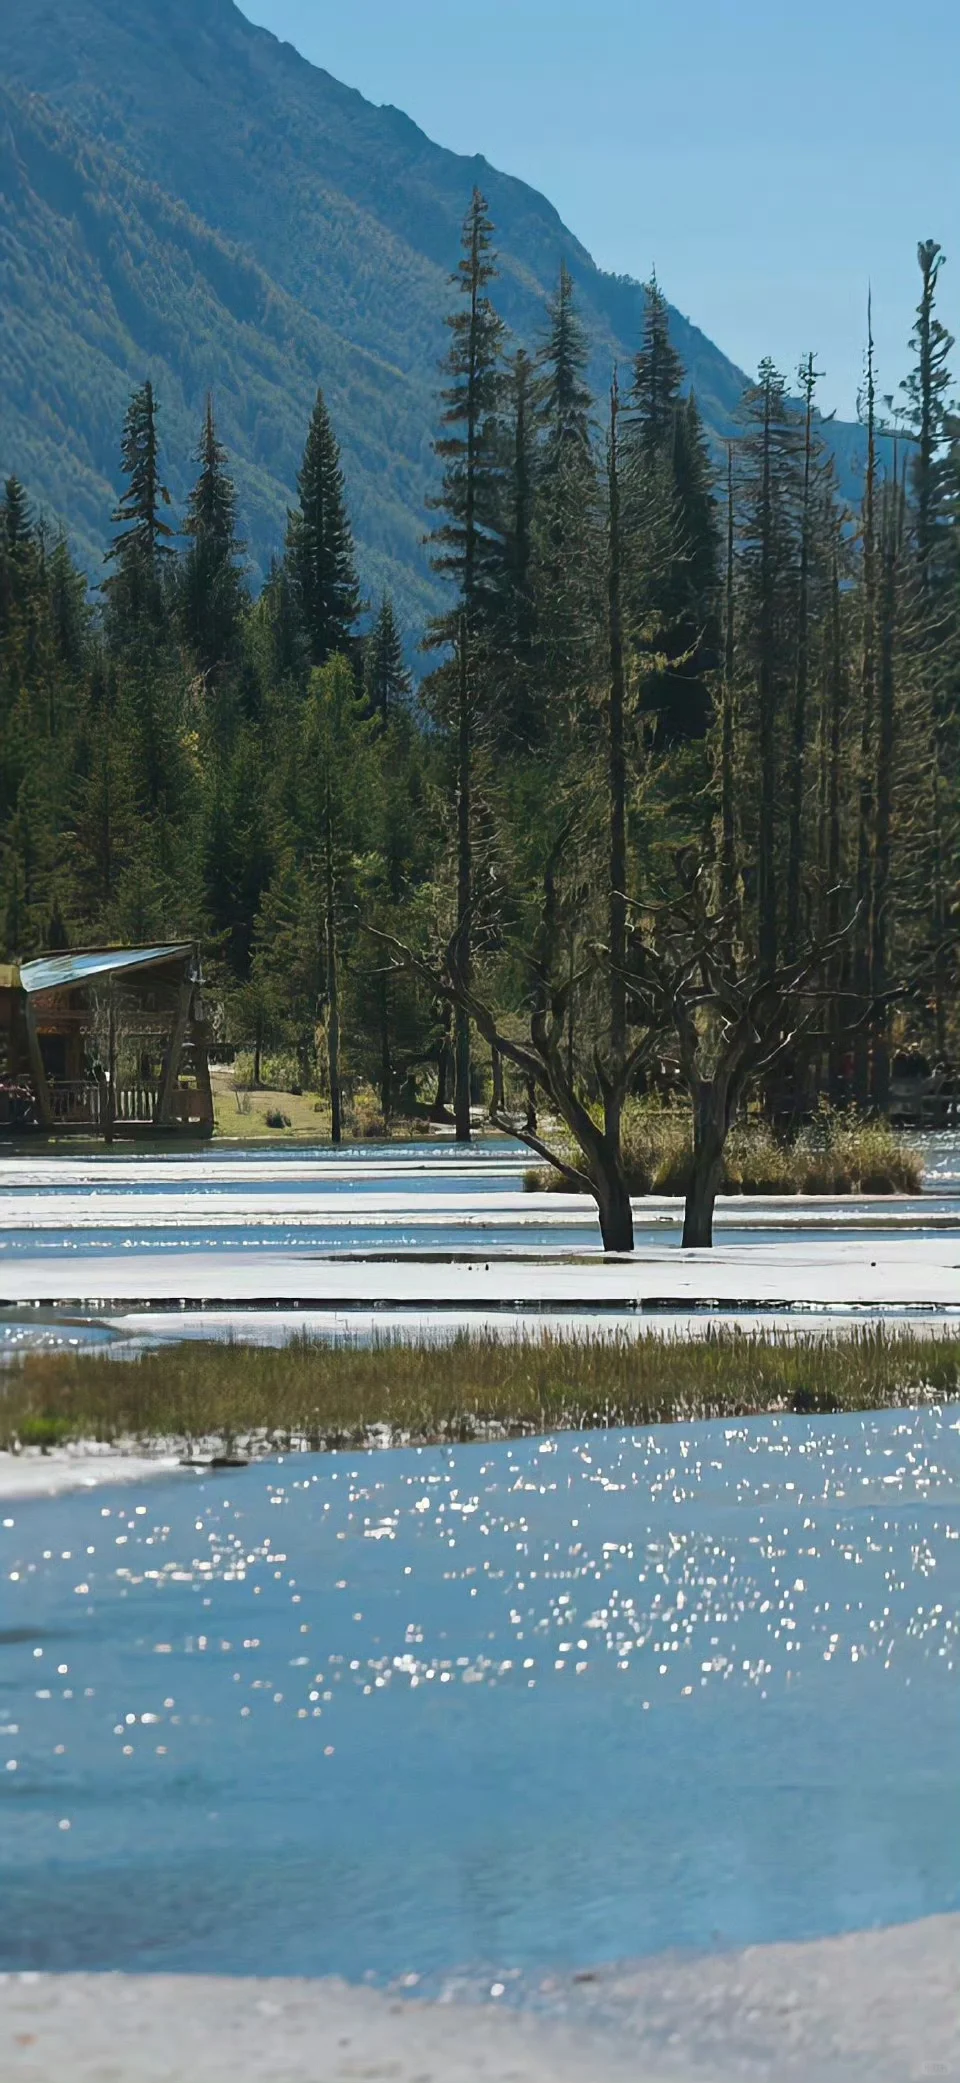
(203, 1083)
(172, 1072)
(41, 1087)
(111, 1115)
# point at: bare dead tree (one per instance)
(543, 1059)
(693, 999)
(728, 1018)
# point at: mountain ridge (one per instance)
(322, 234)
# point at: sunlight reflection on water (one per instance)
(503, 1707)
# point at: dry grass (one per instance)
(836, 1153)
(335, 1395)
(244, 1115)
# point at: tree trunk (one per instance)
(438, 1111)
(766, 695)
(834, 808)
(464, 888)
(798, 743)
(617, 769)
(258, 1054)
(882, 847)
(111, 1109)
(497, 1096)
(614, 1206)
(706, 1178)
(728, 815)
(333, 992)
(861, 949)
(386, 1067)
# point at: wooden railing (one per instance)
(138, 1102)
(78, 1103)
(87, 1104)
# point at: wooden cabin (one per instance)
(107, 1042)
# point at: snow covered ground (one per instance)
(422, 1242)
(872, 1272)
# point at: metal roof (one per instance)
(84, 965)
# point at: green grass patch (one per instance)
(326, 1396)
(836, 1153)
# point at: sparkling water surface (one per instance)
(493, 1709)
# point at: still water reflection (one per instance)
(506, 1707)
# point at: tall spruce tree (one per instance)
(565, 399)
(670, 521)
(567, 581)
(658, 376)
(386, 674)
(925, 393)
(468, 548)
(212, 593)
(799, 716)
(320, 551)
(144, 539)
(771, 452)
(519, 708)
(469, 540)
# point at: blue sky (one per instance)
(768, 159)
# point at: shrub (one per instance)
(43, 1432)
(275, 1119)
(835, 1153)
(366, 1116)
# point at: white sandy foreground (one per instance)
(876, 2007)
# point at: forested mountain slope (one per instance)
(191, 200)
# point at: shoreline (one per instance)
(83, 1465)
(868, 2007)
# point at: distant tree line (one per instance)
(666, 677)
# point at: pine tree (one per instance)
(387, 678)
(670, 529)
(320, 552)
(212, 594)
(725, 754)
(925, 392)
(143, 537)
(771, 477)
(796, 765)
(519, 707)
(468, 542)
(567, 579)
(565, 401)
(239, 851)
(341, 782)
(70, 612)
(860, 951)
(16, 524)
(889, 611)
(658, 376)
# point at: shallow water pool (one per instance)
(492, 1710)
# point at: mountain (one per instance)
(181, 195)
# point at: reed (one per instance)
(322, 1396)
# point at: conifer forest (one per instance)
(665, 800)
